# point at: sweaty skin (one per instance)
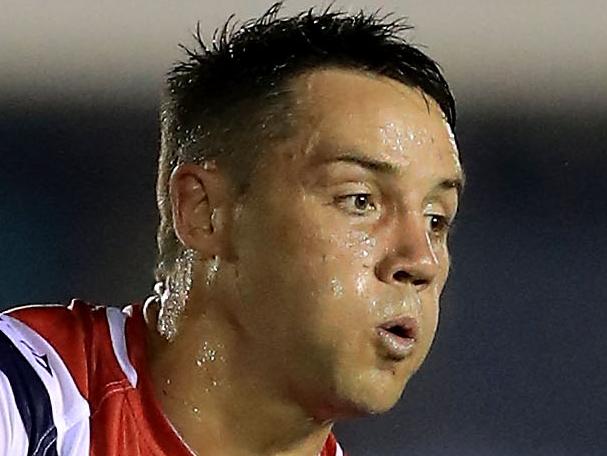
(343, 228)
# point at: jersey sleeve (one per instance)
(41, 408)
(13, 437)
(26, 406)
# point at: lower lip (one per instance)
(396, 347)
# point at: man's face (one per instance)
(341, 244)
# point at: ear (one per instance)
(198, 194)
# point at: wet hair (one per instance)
(226, 101)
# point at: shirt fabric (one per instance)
(74, 381)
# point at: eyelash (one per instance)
(341, 202)
(445, 225)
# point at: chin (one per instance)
(360, 407)
(371, 397)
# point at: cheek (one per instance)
(441, 253)
(318, 267)
(348, 260)
(359, 245)
(338, 280)
(431, 306)
(290, 258)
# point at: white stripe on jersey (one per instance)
(116, 321)
(339, 451)
(70, 410)
(13, 438)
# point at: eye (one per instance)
(357, 203)
(438, 224)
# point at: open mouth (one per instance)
(399, 331)
(404, 328)
(398, 337)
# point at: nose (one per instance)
(412, 258)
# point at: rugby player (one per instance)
(308, 178)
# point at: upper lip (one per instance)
(405, 326)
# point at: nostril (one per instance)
(401, 276)
(420, 283)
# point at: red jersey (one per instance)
(74, 381)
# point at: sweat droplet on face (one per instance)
(363, 242)
(337, 288)
(368, 244)
(175, 295)
(206, 354)
(212, 269)
(419, 137)
(394, 138)
(363, 280)
(360, 285)
(391, 136)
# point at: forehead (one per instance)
(340, 111)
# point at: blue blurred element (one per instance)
(518, 367)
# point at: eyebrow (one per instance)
(367, 163)
(457, 183)
(387, 168)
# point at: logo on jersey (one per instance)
(41, 359)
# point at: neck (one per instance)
(207, 388)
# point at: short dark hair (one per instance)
(223, 101)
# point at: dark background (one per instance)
(518, 367)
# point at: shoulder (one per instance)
(55, 364)
(40, 401)
(57, 321)
(61, 335)
(88, 341)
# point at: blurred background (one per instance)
(518, 367)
